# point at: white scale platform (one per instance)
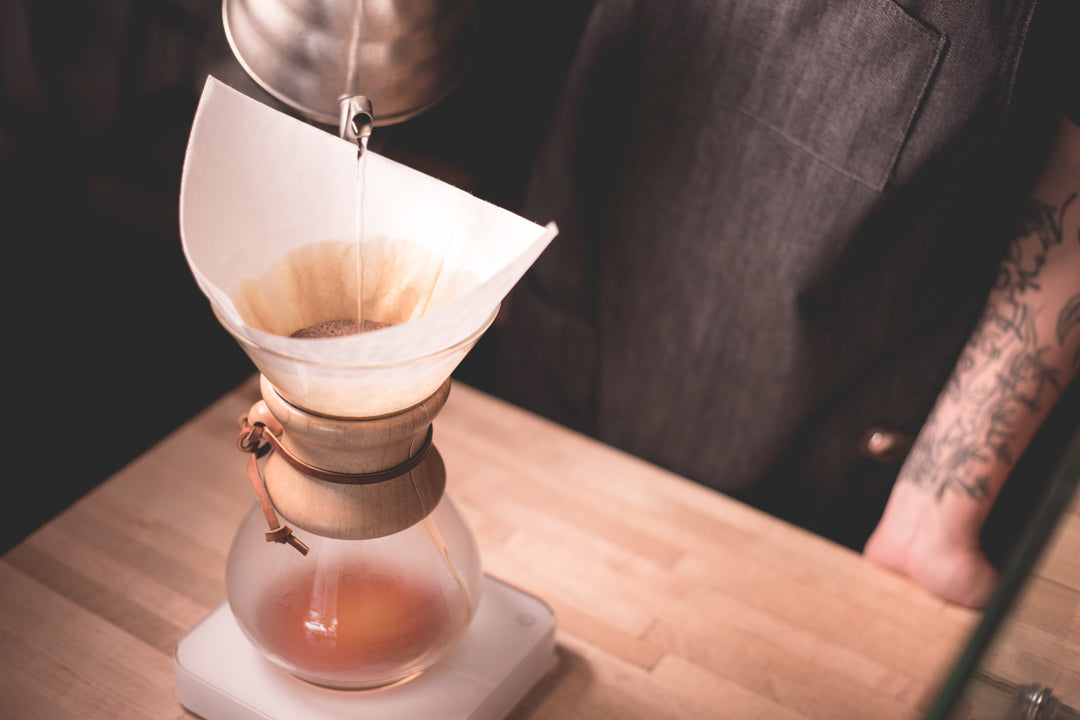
(508, 648)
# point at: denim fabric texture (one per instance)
(779, 221)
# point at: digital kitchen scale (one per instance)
(508, 647)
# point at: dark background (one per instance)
(113, 346)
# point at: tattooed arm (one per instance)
(1019, 359)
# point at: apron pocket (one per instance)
(840, 80)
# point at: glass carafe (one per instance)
(354, 569)
(356, 613)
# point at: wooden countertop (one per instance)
(672, 600)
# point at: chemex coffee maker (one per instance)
(356, 285)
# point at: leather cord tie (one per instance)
(339, 477)
(254, 439)
(249, 442)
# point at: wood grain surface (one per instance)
(672, 600)
(1040, 641)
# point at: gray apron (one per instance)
(779, 220)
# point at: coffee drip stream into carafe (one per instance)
(353, 572)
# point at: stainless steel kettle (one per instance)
(402, 55)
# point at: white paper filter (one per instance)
(260, 187)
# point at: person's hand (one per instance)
(919, 538)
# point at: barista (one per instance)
(779, 227)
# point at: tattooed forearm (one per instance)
(1069, 322)
(1039, 233)
(1004, 374)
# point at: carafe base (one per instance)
(220, 674)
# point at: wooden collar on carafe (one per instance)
(351, 478)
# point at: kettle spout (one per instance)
(356, 120)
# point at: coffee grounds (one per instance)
(338, 328)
